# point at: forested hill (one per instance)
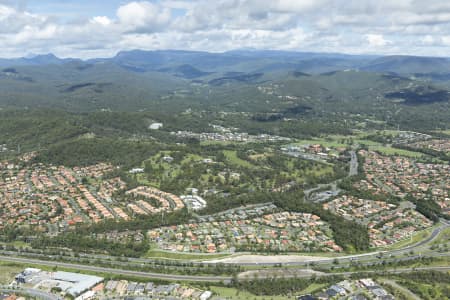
(267, 86)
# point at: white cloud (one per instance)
(6, 12)
(428, 40)
(374, 26)
(13, 21)
(143, 16)
(101, 20)
(301, 6)
(377, 40)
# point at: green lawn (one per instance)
(231, 156)
(313, 288)
(410, 241)
(327, 142)
(191, 157)
(425, 291)
(17, 244)
(367, 142)
(234, 294)
(443, 131)
(8, 272)
(394, 151)
(183, 256)
(443, 238)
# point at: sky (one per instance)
(101, 28)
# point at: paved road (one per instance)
(365, 256)
(33, 293)
(353, 164)
(311, 195)
(190, 277)
(342, 259)
(114, 271)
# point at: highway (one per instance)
(196, 278)
(365, 258)
(92, 268)
(38, 294)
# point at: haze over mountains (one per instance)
(173, 81)
(248, 61)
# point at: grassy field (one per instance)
(17, 244)
(313, 288)
(234, 294)
(335, 141)
(182, 256)
(8, 272)
(394, 151)
(426, 291)
(443, 131)
(327, 142)
(410, 241)
(233, 159)
(443, 238)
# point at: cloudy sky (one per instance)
(101, 28)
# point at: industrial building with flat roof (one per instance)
(70, 283)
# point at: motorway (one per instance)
(92, 268)
(38, 294)
(363, 259)
(196, 278)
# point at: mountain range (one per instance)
(269, 82)
(196, 64)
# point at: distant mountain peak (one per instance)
(41, 56)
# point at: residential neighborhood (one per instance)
(362, 289)
(316, 152)
(54, 198)
(387, 223)
(399, 176)
(282, 231)
(229, 136)
(224, 150)
(439, 145)
(405, 137)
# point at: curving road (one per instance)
(341, 259)
(357, 257)
(92, 268)
(192, 277)
(353, 171)
(38, 294)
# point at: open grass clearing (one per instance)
(331, 143)
(234, 294)
(8, 272)
(443, 131)
(153, 253)
(443, 238)
(415, 238)
(312, 288)
(395, 151)
(231, 156)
